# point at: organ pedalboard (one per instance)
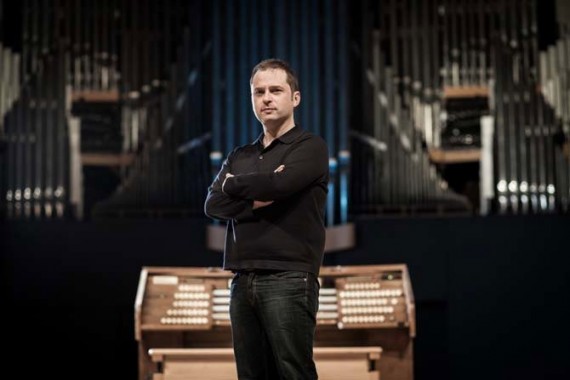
(359, 306)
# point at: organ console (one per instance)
(365, 323)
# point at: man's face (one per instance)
(271, 97)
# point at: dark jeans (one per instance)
(273, 316)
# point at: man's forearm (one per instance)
(223, 207)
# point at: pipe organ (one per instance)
(367, 309)
(158, 95)
(434, 72)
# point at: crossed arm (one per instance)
(237, 196)
(219, 205)
(256, 204)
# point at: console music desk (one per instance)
(366, 322)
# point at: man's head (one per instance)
(274, 93)
(274, 63)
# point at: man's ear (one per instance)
(296, 98)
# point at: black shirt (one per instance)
(289, 234)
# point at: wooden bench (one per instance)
(333, 363)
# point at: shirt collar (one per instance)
(290, 135)
(286, 138)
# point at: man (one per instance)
(272, 194)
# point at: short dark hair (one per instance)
(274, 63)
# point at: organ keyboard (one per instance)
(359, 306)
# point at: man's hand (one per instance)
(228, 175)
(259, 204)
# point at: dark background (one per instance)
(12, 25)
(491, 292)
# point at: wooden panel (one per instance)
(333, 363)
(95, 96)
(465, 92)
(454, 156)
(106, 159)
